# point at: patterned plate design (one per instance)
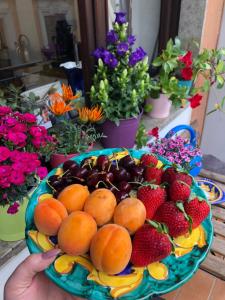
(82, 279)
(213, 192)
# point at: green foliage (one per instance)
(141, 136)
(120, 91)
(74, 138)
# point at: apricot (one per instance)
(130, 213)
(111, 249)
(73, 197)
(48, 216)
(100, 205)
(76, 232)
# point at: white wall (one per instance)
(213, 141)
(145, 23)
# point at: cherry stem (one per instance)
(101, 182)
(51, 186)
(113, 185)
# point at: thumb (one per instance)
(35, 263)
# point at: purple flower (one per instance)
(13, 209)
(98, 53)
(120, 18)
(111, 37)
(122, 48)
(136, 56)
(109, 59)
(131, 39)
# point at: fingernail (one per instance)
(50, 253)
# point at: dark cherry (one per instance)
(68, 164)
(120, 174)
(102, 162)
(127, 162)
(92, 180)
(52, 179)
(137, 172)
(106, 176)
(87, 162)
(124, 186)
(58, 184)
(79, 172)
(92, 172)
(68, 180)
(113, 189)
(121, 195)
(73, 169)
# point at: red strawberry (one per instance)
(179, 191)
(198, 210)
(169, 175)
(169, 214)
(184, 177)
(152, 197)
(149, 160)
(153, 175)
(149, 246)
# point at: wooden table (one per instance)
(215, 261)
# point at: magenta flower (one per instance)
(42, 172)
(5, 171)
(4, 153)
(17, 138)
(5, 110)
(10, 121)
(13, 209)
(17, 178)
(29, 118)
(19, 127)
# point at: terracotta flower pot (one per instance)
(57, 159)
(120, 136)
(160, 107)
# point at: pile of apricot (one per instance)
(92, 223)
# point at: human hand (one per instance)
(28, 281)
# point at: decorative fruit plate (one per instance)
(78, 276)
(214, 193)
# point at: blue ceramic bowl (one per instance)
(214, 193)
(180, 269)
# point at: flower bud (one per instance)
(102, 85)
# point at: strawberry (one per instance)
(176, 221)
(169, 175)
(153, 175)
(179, 191)
(198, 210)
(149, 246)
(152, 197)
(184, 177)
(149, 160)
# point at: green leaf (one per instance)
(222, 102)
(148, 108)
(157, 62)
(177, 42)
(206, 86)
(220, 81)
(220, 67)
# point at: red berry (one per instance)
(149, 160)
(149, 246)
(152, 197)
(179, 191)
(153, 175)
(198, 210)
(169, 175)
(184, 177)
(173, 218)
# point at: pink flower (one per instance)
(38, 131)
(30, 118)
(4, 182)
(19, 128)
(15, 155)
(5, 110)
(17, 138)
(4, 153)
(10, 121)
(5, 171)
(42, 172)
(17, 178)
(13, 209)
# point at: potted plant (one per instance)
(73, 139)
(179, 63)
(22, 142)
(120, 85)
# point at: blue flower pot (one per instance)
(186, 83)
(195, 169)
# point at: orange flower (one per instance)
(68, 93)
(95, 114)
(90, 115)
(84, 114)
(58, 105)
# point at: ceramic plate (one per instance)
(76, 274)
(213, 192)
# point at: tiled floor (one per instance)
(202, 286)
